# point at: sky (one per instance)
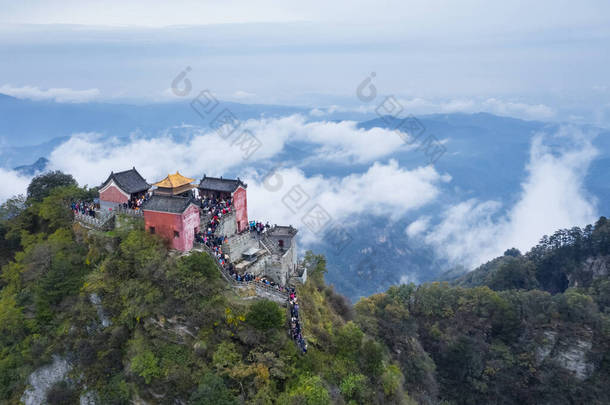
(546, 60)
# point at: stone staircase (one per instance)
(262, 290)
(271, 246)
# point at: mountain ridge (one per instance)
(138, 323)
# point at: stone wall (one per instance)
(238, 244)
(227, 225)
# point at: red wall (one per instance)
(113, 194)
(166, 223)
(240, 205)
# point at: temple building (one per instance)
(219, 188)
(120, 188)
(172, 212)
(175, 185)
(175, 212)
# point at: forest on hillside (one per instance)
(121, 319)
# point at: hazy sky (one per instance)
(546, 60)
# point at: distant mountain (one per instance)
(30, 170)
(27, 122)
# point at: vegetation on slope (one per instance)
(177, 331)
(530, 329)
(136, 321)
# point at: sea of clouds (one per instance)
(466, 232)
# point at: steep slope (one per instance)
(115, 318)
(541, 338)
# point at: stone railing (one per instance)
(128, 211)
(102, 223)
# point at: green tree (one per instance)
(353, 387)
(316, 268)
(225, 356)
(141, 255)
(55, 207)
(265, 315)
(42, 185)
(308, 390)
(371, 358)
(514, 273)
(391, 380)
(200, 263)
(146, 365)
(349, 339)
(212, 391)
(11, 318)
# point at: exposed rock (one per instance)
(543, 351)
(97, 303)
(574, 358)
(175, 327)
(599, 266)
(592, 268)
(44, 378)
(89, 398)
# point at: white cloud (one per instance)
(418, 226)
(316, 112)
(491, 105)
(552, 197)
(90, 157)
(460, 105)
(240, 95)
(338, 141)
(60, 95)
(517, 109)
(384, 190)
(13, 184)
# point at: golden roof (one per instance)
(174, 180)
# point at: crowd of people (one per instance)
(136, 201)
(258, 227)
(248, 277)
(214, 209)
(296, 329)
(84, 207)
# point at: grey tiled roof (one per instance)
(129, 181)
(220, 184)
(171, 204)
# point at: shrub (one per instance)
(265, 315)
(146, 365)
(212, 391)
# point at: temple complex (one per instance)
(212, 215)
(123, 188)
